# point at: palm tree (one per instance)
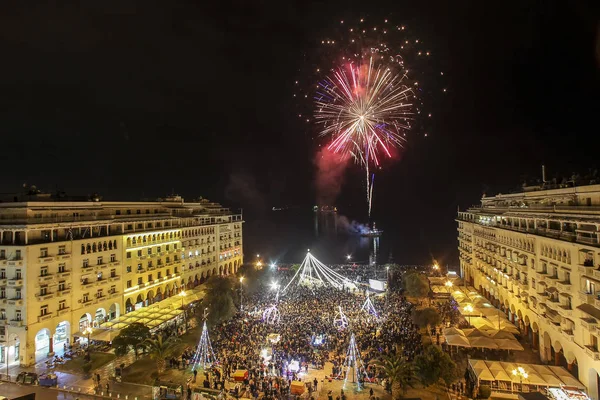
(160, 349)
(399, 372)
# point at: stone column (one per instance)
(51, 346)
(557, 358)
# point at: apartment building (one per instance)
(69, 265)
(536, 255)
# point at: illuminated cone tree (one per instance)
(204, 357)
(353, 366)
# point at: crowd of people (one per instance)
(305, 336)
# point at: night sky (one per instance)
(136, 99)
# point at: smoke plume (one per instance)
(330, 175)
(351, 227)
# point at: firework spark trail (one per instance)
(364, 108)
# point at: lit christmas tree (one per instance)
(204, 356)
(353, 365)
(369, 307)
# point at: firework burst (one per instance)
(365, 98)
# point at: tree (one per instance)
(416, 284)
(218, 299)
(397, 370)
(253, 278)
(426, 316)
(485, 391)
(130, 337)
(433, 364)
(160, 349)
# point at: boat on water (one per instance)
(325, 209)
(373, 232)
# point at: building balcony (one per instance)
(15, 282)
(592, 352)
(587, 298)
(45, 296)
(64, 256)
(589, 323)
(114, 278)
(63, 311)
(62, 293)
(45, 259)
(15, 263)
(41, 318)
(14, 302)
(46, 278)
(596, 274)
(88, 285)
(565, 310)
(553, 304)
(585, 270)
(16, 322)
(64, 274)
(564, 286)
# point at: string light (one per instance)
(205, 355)
(353, 360)
(313, 272)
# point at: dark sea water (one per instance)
(285, 236)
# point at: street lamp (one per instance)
(241, 305)
(469, 308)
(520, 372)
(182, 295)
(448, 284)
(87, 331)
(349, 257)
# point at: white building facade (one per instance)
(69, 265)
(536, 255)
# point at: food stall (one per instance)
(240, 375)
(297, 387)
(48, 380)
(567, 393)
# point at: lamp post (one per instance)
(88, 331)
(520, 372)
(448, 284)
(182, 295)
(469, 308)
(241, 304)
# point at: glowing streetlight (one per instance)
(520, 372)
(436, 267)
(259, 264)
(448, 284)
(88, 331)
(349, 257)
(273, 265)
(469, 309)
(258, 255)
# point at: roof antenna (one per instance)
(543, 174)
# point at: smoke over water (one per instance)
(330, 176)
(351, 227)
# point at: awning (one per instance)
(458, 340)
(590, 310)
